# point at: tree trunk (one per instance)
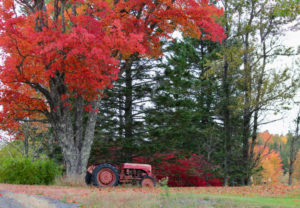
(75, 136)
(246, 111)
(26, 146)
(128, 101)
(226, 104)
(120, 114)
(254, 161)
(293, 150)
(227, 125)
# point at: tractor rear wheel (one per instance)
(147, 181)
(105, 175)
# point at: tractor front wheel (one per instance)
(105, 175)
(147, 181)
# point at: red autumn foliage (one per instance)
(187, 171)
(72, 48)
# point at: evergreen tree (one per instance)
(185, 100)
(121, 126)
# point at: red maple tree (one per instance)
(60, 55)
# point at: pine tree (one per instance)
(184, 103)
(121, 124)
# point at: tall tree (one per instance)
(135, 85)
(254, 27)
(60, 55)
(181, 116)
(229, 70)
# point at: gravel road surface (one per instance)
(15, 200)
(8, 202)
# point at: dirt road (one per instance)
(15, 200)
(8, 202)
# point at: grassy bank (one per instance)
(134, 197)
(186, 200)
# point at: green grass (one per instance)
(240, 201)
(189, 200)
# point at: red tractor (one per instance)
(107, 175)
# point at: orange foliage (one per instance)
(272, 167)
(271, 163)
(265, 136)
(284, 139)
(31, 129)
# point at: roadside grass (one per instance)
(267, 196)
(131, 199)
(142, 200)
(74, 181)
(249, 201)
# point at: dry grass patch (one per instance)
(75, 181)
(114, 199)
(133, 199)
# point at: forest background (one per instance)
(201, 97)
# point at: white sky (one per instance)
(283, 126)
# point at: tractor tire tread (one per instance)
(153, 179)
(101, 166)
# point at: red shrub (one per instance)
(192, 171)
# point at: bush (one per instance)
(192, 170)
(26, 171)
